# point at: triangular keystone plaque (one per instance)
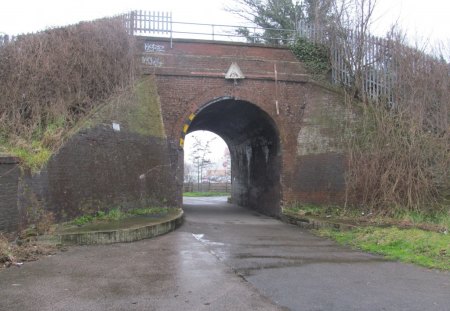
(234, 72)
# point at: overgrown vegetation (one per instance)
(315, 56)
(399, 141)
(278, 17)
(431, 221)
(428, 249)
(396, 164)
(13, 254)
(303, 209)
(51, 79)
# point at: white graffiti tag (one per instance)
(151, 47)
(152, 61)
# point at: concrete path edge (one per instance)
(115, 236)
(314, 223)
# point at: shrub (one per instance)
(314, 55)
(51, 79)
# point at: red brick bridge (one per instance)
(274, 118)
(282, 129)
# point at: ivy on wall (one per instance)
(314, 56)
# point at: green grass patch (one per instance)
(149, 211)
(433, 221)
(439, 219)
(314, 56)
(205, 194)
(117, 214)
(33, 157)
(425, 248)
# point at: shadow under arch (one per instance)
(253, 140)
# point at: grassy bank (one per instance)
(425, 248)
(117, 214)
(436, 221)
(412, 237)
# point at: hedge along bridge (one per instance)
(282, 129)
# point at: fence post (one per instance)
(132, 16)
(171, 42)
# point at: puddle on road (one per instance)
(221, 253)
(200, 237)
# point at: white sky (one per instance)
(423, 20)
(217, 144)
(428, 18)
(22, 16)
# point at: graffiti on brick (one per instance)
(151, 47)
(152, 61)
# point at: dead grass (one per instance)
(399, 152)
(50, 79)
(15, 254)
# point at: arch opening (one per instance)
(254, 145)
(207, 163)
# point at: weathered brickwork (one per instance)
(9, 178)
(119, 158)
(101, 169)
(284, 133)
(307, 118)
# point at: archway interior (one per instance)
(253, 141)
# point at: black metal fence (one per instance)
(207, 187)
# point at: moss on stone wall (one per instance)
(136, 110)
(147, 118)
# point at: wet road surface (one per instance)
(223, 258)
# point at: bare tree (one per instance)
(227, 164)
(349, 33)
(398, 150)
(201, 156)
(188, 172)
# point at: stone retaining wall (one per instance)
(9, 179)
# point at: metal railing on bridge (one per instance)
(146, 23)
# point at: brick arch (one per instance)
(255, 148)
(192, 74)
(196, 107)
(202, 92)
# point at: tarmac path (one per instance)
(223, 258)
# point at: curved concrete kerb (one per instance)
(131, 234)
